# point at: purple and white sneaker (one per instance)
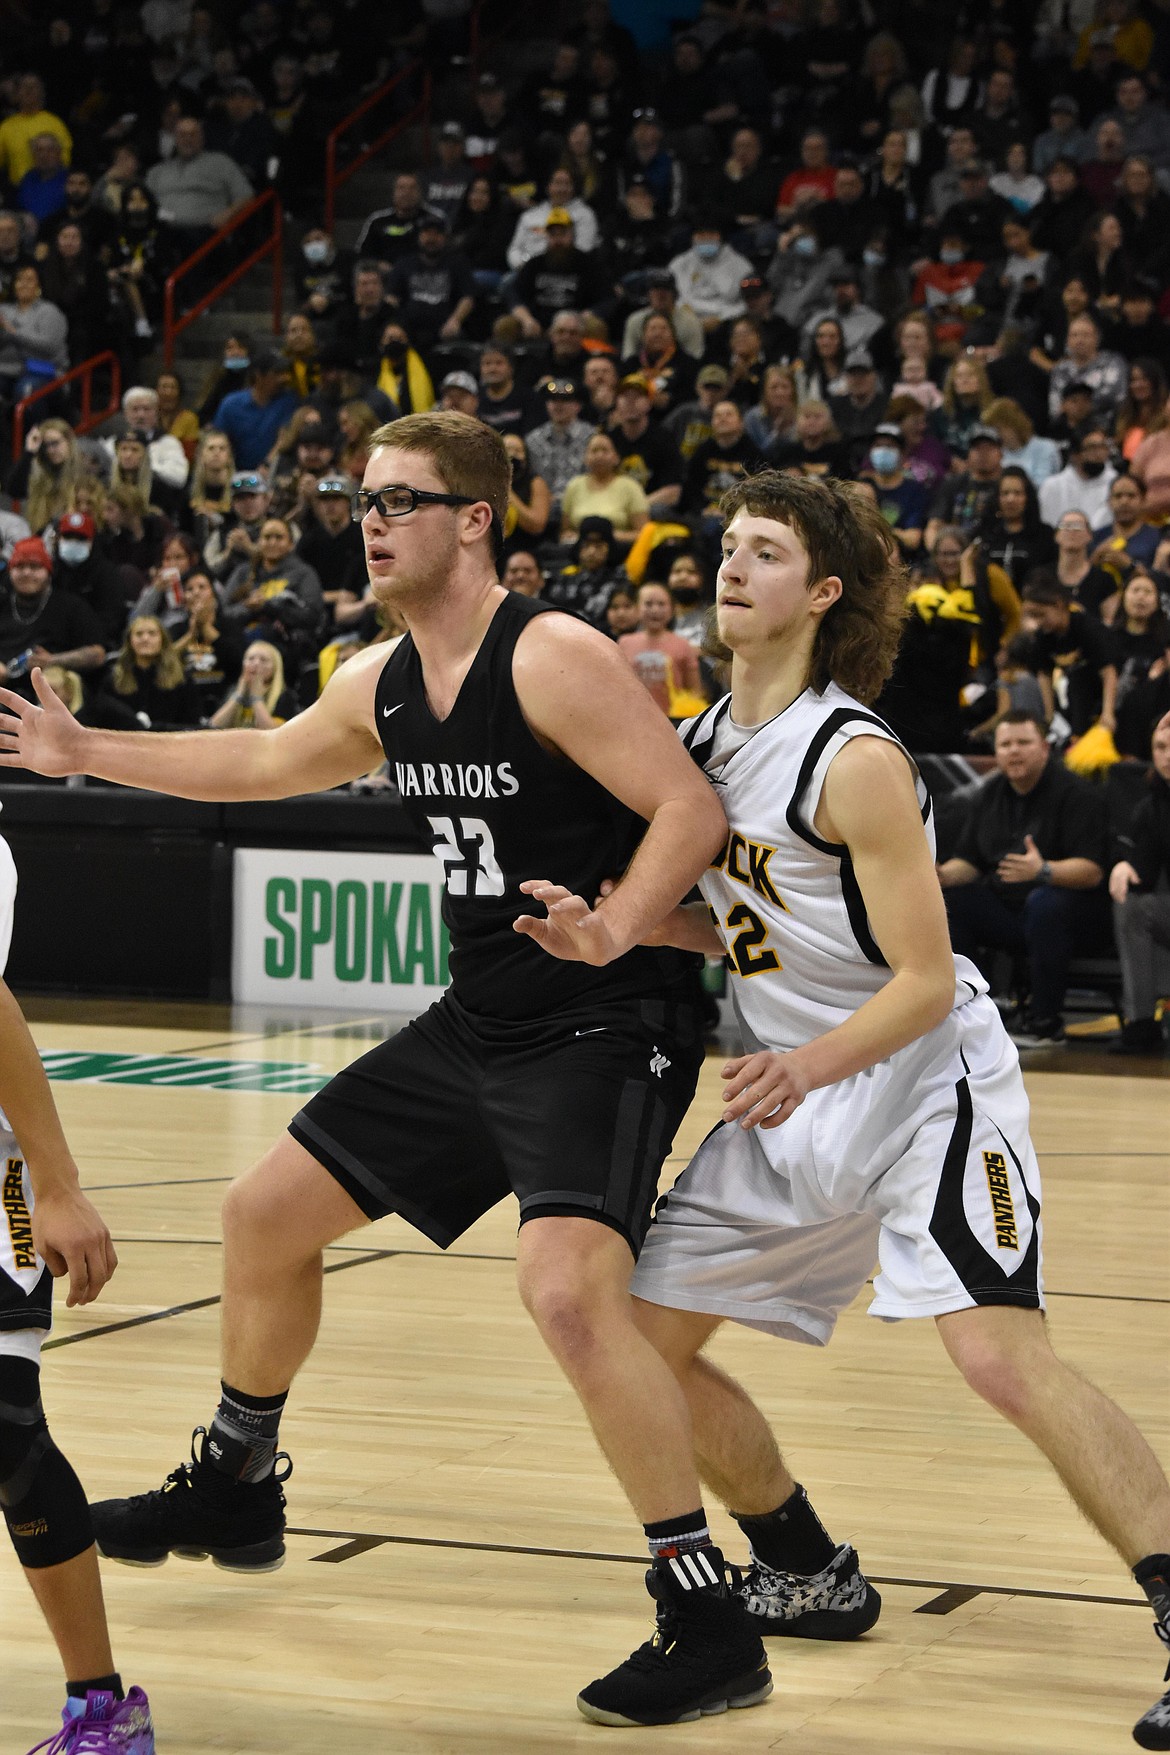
(104, 1726)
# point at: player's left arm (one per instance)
(868, 804)
(68, 1231)
(580, 696)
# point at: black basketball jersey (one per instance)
(499, 809)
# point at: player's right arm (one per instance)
(69, 1232)
(331, 742)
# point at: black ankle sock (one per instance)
(792, 1538)
(96, 1684)
(241, 1441)
(684, 1546)
(675, 1535)
(1153, 1574)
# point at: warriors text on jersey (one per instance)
(786, 902)
(498, 809)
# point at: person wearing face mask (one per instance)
(710, 274)
(1084, 482)
(901, 500)
(323, 275)
(225, 377)
(799, 273)
(402, 375)
(947, 289)
(84, 572)
(139, 253)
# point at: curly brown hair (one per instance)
(844, 535)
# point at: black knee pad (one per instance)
(43, 1502)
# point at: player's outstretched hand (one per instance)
(572, 930)
(71, 1236)
(762, 1090)
(46, 739)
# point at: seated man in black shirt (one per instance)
(1065, 637)
(1141, 914)
(431, 287)
(39, 625)
(561, 278)
(646, 452)
(721, 461)
(1027, 874)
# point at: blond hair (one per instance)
(66, 683)
(469, 458)
(52, 493)
(198, 489)
(275, 688)
(168, 666)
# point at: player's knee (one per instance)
(251, 1217)
(997, 1375)
(43, 1502)
(564, 1307)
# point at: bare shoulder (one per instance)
(351, 689)
(551, 642)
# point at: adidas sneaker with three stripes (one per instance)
(705, 1656)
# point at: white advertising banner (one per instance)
(337, 929)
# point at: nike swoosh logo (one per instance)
(599, 1031)
(386, 711)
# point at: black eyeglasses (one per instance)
(397, 501)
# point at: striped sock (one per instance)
(682, 1544)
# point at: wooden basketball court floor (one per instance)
(460, 1563)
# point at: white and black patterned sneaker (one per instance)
(838, 1603)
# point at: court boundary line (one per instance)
(356, 1542)
(149, 1316)
(363, 1259)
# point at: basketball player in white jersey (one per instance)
(879, 1107)
(49, 1227)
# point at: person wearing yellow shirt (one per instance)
(30, 118)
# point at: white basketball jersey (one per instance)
(7, 900)
(786, 902)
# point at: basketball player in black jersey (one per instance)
(526, 751)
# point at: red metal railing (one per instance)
(89, 416)
(272, 245)
(420, 111)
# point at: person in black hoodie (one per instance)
(1141, 916)
(1060, 219)
(148, 677)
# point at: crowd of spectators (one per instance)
(923, 249)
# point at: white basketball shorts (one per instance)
(922, 1163)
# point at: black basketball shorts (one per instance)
(573, 1116)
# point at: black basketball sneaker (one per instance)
(705, 1656)
(838, 1603)
(1152, 1729)
(198, 1512)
